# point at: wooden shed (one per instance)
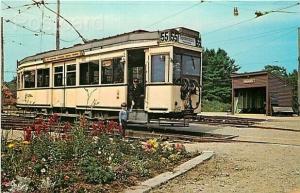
(260, 92)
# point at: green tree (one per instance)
(293, 81)
(217, 69)
(276, 70)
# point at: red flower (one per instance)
(67, 127)
(6, 183)
(66, 178)
(27, 134)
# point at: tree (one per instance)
(217, 69)
(292, 78)
(276, 70)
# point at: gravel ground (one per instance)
(246, 167)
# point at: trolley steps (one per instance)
(138, 116)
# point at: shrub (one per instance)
(215, 106)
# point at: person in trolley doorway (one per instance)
(136, 94)
(123, 117)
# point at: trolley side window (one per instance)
(71, 75)
(20, 81)
(43, 77)
(89, 73)
(29, 79)
(158, 68)
(58, 76)
(112, 71)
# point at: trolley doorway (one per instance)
(136, 78)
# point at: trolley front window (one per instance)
(190, 65)
(29, 79)
(89, 73)
(185, 65)
(158, 68)
(43, 77)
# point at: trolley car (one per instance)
(95, 76)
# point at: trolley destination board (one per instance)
(189, 38)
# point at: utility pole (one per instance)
(57, 25)
(2, 64)
(298, 70)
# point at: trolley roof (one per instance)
(138, 35)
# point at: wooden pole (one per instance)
(2, 64)
(57, 25)
(298, 70)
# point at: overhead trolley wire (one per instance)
(262, 44)
(35, 32)
(257, 13)
(78, 33)
(175, 14)
(253, 36)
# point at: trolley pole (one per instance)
(57, 25)
(298, 70)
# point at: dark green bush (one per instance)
(215, 106)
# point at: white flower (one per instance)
(95, 139)
(99, 152)
(43, 170)
(21, 186)
(109, 158)
(43, 159)
(47, 184)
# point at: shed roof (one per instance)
(262, 72)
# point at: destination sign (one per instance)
(63, 56)
(173, 36)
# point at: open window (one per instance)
(158, 65)
(112, 71)
(71, 75)
(58, 76)
(89, 73)
(29, 79)
(43, 77)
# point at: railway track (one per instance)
(9, 122)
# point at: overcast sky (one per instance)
(252, 42)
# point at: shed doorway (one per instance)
(250, 100)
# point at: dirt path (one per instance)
(244, 167)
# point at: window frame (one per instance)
(33, 78)
(43, 78)
(88, 63)
(56, 73)
(114, 62)
(70, 72)
(166, 67)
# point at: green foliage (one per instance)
(217, 69)
(94, 172)
(82, 162)
(215, 106)
(276, 70)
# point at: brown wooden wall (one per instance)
(241, 82)
(279, 89)
(278, 92)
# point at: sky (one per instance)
(251, 42)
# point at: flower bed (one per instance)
(80, 161)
